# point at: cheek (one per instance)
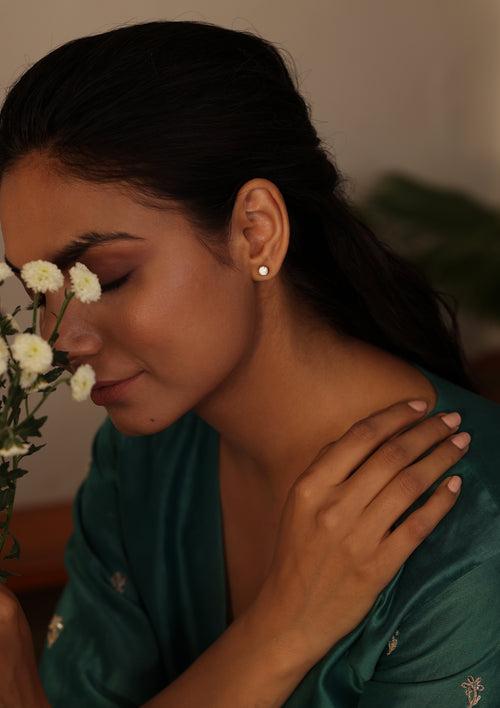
(195, 329)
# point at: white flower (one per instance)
(5, 271)
(82, 381)
(86, 284)
(4, 356)
(32, 352)
(12, 321)
(28, 378)
(14, 450)
(41, 276)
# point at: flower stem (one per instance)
(10, 507)
(68, 295)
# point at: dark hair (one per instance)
(190, 111)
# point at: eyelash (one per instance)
(114, 285)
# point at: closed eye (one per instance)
(105, 288)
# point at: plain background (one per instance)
(406, 84)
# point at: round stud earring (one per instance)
(263, 270)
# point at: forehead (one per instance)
(41, 209)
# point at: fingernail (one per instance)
(454, 484)
(461, 440)
(418, 405)
(451, 419)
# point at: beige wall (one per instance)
(393, 84)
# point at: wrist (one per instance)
(280, 646)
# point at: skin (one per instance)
(229, 343)
(275, 382)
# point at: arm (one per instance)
(448, 649)
(247, 667)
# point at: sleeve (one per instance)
(101, 649)
(446, 652)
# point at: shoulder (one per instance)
(447, 592)
(469, 534)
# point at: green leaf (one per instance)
(15, 550)
(6, 497)
(53, 374)
(6, 326)
(4, 574)
(60, 357)
(33, 448)
(13, 475)
(30, 427)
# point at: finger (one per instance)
(396, 548)
(337, 460)
(393, 456)
(406, 488)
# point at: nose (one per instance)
(78, 333)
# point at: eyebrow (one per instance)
(80, 245)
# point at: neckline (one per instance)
(437, 383)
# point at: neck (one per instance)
(298, 389)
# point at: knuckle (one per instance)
(366, 572)
(302, 489)
(409, 484)
(393, 453)
(418, 526)
(328, 518)
(364, 430)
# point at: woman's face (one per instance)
(181, 318)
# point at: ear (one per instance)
(260, 227)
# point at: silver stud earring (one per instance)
(263, 270)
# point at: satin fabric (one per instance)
(147, 589)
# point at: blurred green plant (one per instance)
(453, 237)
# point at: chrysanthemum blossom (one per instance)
(14, 449)
(32, 352)
(28, 378)
(82, 381)
(4, 356)
(42, 276)
(85, 284)
(28, 381)
(5, 271)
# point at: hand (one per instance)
(20, 685)
(335, 550)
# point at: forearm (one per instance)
(246, 667)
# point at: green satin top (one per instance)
(147, 589)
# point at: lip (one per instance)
(103, 395)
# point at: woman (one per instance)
(271, 344)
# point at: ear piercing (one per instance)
(263, 270)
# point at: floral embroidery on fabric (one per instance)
(472, 686)
(55, 626)
(393, 642)
(118, 581)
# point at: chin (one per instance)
(134, 425)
